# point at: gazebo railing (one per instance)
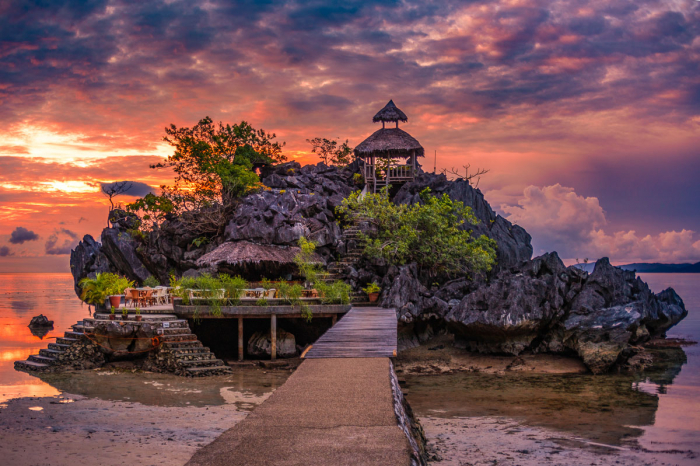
(400, 172)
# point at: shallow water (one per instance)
(655, 414)
(23, 296)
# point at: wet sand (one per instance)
(125, 419)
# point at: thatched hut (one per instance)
(378, 152)
(253, 261)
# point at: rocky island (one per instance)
(524, 304)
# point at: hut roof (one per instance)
(389, 142)
(390, 112)
(240, 252)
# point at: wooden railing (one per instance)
(400, 172)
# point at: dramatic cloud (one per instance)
(561, 220)
(600, 96)
(21, 234)
(5, 251)
(61, 242)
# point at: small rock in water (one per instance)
(40, 321)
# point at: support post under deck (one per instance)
(273, 337)
(240, 338)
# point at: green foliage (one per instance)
(337, 292)
(308, 268)
(152, 210)
(199, 242)
(330, 151)
(372, 288)
(431, 233)
(266, 284)
(358, 179)
(261, 302)
(215, 291)
(137, 310)
(151, 282)
(95, 290)
(125, 312)
(113, 309)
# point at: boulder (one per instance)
(124, 220)
(40, 321)
(260, 346)
(513, 309)
(120, 248)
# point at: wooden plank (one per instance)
(368, 332)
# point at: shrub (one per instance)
(151, 281)
(372, 288)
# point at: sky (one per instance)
(585, 113)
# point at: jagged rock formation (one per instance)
(540, 305)
(522, 305)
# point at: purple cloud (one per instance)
(21, 234)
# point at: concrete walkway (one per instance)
(329, 412)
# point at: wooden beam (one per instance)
(273, 337)
(334, 319)
(240, 338)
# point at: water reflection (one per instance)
(40, 332)
(609, 409)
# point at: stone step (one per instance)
(200, 363)
(78, 328)
(193, 359)
(76, 335)
(31, 365)
(178, 338)
(66, 340)
(191, 351)
(195, 344)
(42, 359)
(176, 331)
(58, 346)
(199, 371)
(51, 353)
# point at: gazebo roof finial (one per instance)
(390, 112)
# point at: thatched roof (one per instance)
(245, 252)
(390, 112)
(389, 142)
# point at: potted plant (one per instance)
(111, 316)
(125, 314)
(138, 314)
(372, 291)
(117, 287)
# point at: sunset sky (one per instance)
(586, 113)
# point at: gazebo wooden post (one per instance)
(240, 338)
(273, 337)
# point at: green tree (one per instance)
(331, 151)
(214, 165)
(431, 233)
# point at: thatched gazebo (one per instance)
(253, 261)
(381, 148)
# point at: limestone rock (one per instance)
(87, 260)
(120, 248)
(260, 346)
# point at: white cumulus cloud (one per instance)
(560, 220)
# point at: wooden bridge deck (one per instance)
(364, 332)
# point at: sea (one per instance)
(655, 414)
